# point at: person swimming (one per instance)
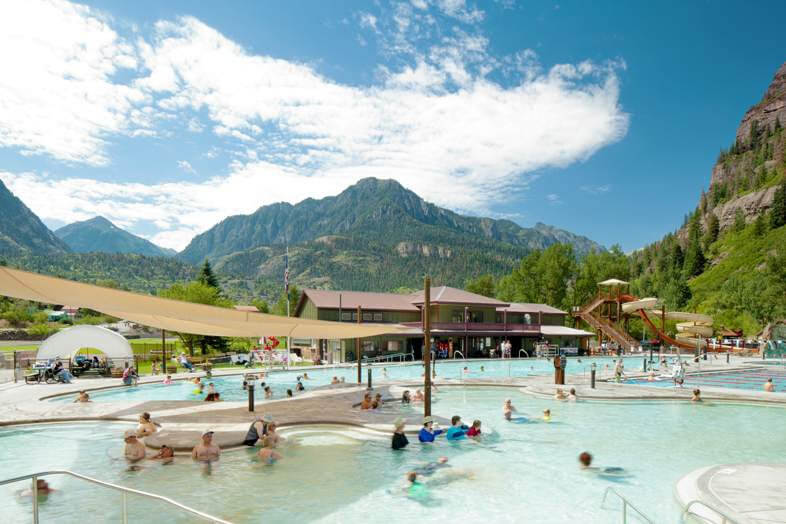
(572, 395)
(415, 489)
(547, 415)
(165, 454)
(367, 402)
(769, 386)
(268, 392)
(474, 430)
(335, 381)
(585, 461)
(419, 397)
(82, 397)
(430, 468)
(482, 369)
(167, 380)
(696, 395)
(560, 395)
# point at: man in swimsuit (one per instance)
(165, 454)
(696, 395)
(206, 451)
(134, 450)
(82, 397)
(769, 386)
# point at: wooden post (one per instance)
(163, 352)
(427, 345)
(357, 349)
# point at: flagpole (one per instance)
(286, 295)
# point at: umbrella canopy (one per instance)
(175, 315)
(613, 282)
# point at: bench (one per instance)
(31, 378)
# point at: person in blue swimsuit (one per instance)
(457, 430)
(427, 432)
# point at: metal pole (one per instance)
(35, 500)
(369, 378)
(357, 349)
(427, 344)
(251, 397)
(592, 376)
(15, 364)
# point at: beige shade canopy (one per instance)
(175, 315)
(613, 282)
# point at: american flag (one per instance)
(286, 272)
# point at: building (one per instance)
(462, 323)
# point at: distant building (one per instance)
(461, 321)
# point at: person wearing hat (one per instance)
(206, 451)
(135, 450)
(427, 432)
(400, 440)
(257, 429)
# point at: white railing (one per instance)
(526, 355)
(124, 490)
(457, 352)
(626, 504)
(725, 519)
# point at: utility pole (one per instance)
(357, 349)
(427, 345)
(163, 352)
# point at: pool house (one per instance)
(462, 324)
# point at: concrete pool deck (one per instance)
(746, 493)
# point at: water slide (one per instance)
(692, 333)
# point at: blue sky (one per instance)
(601, 118)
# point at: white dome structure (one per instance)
(67, 343)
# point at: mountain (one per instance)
(729, 258)
(22, 231)
(374, 235)
(99, 235)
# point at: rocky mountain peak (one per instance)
(771, 107)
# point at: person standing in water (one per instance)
(400, 440)
(206, 451)
(266, 454)
(769, 386)
(427, 432)
(457, 430)
(696, 395)
(508, 409)
(134, 450)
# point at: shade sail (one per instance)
(174, 315)
(613, 282)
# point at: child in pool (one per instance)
(546, 415)
(585, 461)
(474, 431)
(508, 409)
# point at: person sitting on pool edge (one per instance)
(146, 425)
(400, 440)
(457, 430)
(769, 386)
(696, 395)
(427, 432)
(206, 451)
(257, 430)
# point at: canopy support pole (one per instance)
(357, 349)
(427, 345)
(163, 352)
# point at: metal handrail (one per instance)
(725, 519)
(523, 351)
(122, 489)
(625, 505)
(457, 352)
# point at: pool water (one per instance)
(750, 379)
(522, 472)
(231, 388)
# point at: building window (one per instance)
(368, 317)
(457, 316)
(476, 316)
(349, 316)
(377, 317)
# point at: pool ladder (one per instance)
(627, 507)
(124, 490)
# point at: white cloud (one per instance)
(368, 21)
(437, 124)
(553, 199)
(596, 190)
(57, 93)
(186, 166)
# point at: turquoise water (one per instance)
(521, 472)
(279, 381)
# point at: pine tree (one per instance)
(753, 135)
(694, 256)
(759, 225)
(713, 229)
(739, 220)
(778, 212)
(207, 277)
(677, 256)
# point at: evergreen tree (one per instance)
(753, 135)
(778, 212)
(713, 229)
(482, 285)
(759, 225)
(677, 257)
(694, 256)
(739, 220)
(207, 277)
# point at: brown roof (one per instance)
(451, 295)
(329, 299)
(520, 307)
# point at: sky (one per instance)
(602, 118)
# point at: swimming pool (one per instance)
(230, 387)
(750, 379)
(526, 473)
